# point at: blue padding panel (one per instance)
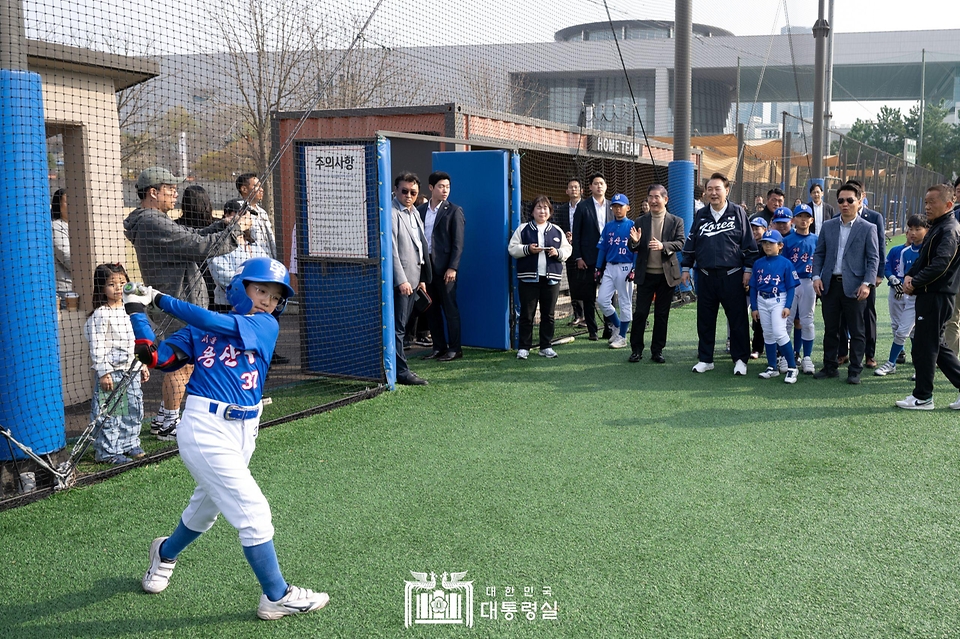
(384, 163)
(32, 407)
(340, 301)
(479, 181)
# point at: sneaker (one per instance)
(702, 367)
(158, 575)
(912, 403)
(782, 364)
(619, 342)
(169, 433)
(549, 353)
(753, 355)
(116, 460)
(885, 369)
(523, 353)
(806, 365)
(770, 373)
(295, 602)
(956, 405)
(913, 377)
(740, 368)
(156, 424)
(613, 338)
(791, 377)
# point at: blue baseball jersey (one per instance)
(799, 250)
(230, 353)
(612, 246)
(899, 260)
(773, 276)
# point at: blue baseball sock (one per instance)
(624, 327)
(771, 354)
(807, 347)
(613, 319)
(895, 350)
(796, 336)
(263, 559)
(177, 541)
(788, 353)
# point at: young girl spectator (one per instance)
(110, 334)
(540, 249)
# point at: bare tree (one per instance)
(497, 90)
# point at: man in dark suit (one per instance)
(870, 310)
(588, 221)
(656, 238)
(821, 210)
(563, 217)
(411, 264)
(844, 271)
(443, 224)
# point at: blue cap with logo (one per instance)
(782, 214)
(802, 208)
(772, 235)
(759, 221)
(620, 199)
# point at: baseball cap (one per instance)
(234, 206)
(759, 221)
(156, 175)
(802, 208)
(620, 199)
(782, 214)
(772, 235)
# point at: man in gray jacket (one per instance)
(168, 254)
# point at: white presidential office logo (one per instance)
(424, 602)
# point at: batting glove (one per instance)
(598, 275)
(631, 275)
(136, 297)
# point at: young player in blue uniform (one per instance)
(902, 307)
(217, 433)
(771, 295)
(798, 247)
(615, 270)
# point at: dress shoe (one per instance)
(843, 359)
(411, 379)
(870, 363)
(658, 358)
(433, 355)
(853, 379)
(824, 374)
(593, 337)
(449, 356)
(635, 357)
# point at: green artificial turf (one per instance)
(653, 502)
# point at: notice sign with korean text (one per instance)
(336, 194)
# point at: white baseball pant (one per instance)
(771, 319)
(804, 301)
(903, 316)
(217, 452)
(615, 281)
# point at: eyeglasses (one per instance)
(412, 192)
(848, 200)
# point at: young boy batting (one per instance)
(615, 268)
(798, 247)
(771, 295)
(217, 433)
(902, 307)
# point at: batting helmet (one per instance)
(258, 269)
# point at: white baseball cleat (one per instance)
(523, 353)
(158, 575)
(549, 353)
(619, 342)
(297, 601)
(791, 377)
(885, 369)
(702, 367)
(806, 365)
(912, 403)
(782, 364)
(770, 373)
(740, 368)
